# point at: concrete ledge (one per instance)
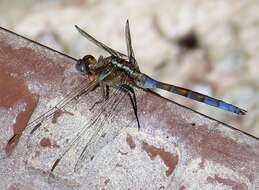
(176, 147)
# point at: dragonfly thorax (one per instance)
(124, 65)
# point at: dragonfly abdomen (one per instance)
(148, 83)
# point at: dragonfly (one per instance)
(120, 72)
(119, 69)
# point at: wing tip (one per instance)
(242, 112)
(77, 27)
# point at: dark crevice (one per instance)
(189, 41)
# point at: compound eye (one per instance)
(89, 59)
(81, 66)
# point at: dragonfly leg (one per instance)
(105, 95)
(131, 93)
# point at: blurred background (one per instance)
(208, 46)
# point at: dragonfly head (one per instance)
(83, 64)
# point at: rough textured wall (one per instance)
(175, 147)
(208, 46)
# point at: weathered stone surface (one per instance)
(225, 31)
(176, 148)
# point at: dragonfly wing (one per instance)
(84, 88)
(97, 128)
(100, 44)
(149, 83)
(109, 108)
(129, 46)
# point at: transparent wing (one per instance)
(128, 41)
(84, 88)
(101, 129)
(100, 44)
(96, 123)
(129, 46)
